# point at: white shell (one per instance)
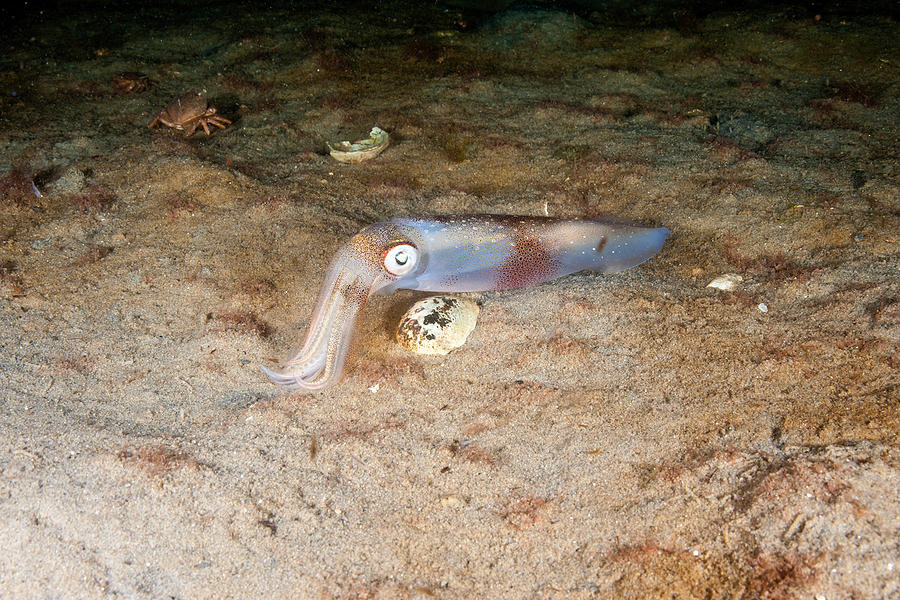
(726, 283)
(437, 325)
(361, 150)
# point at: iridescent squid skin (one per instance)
(464, 253)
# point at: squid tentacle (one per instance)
(318, 361)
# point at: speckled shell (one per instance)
(437, 325)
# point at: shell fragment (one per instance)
(360, 150)
(726, 283)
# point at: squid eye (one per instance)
(400, 259)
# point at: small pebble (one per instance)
(452, 501)
(725, 282)
(763, 308)
(71, 181)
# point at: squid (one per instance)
(457, 253)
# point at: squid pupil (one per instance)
(400, 258)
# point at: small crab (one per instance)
(125, 83)
(188, 112)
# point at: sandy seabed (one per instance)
(637, 435)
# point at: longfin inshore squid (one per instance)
(457, 253)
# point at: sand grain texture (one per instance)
(625, 436)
